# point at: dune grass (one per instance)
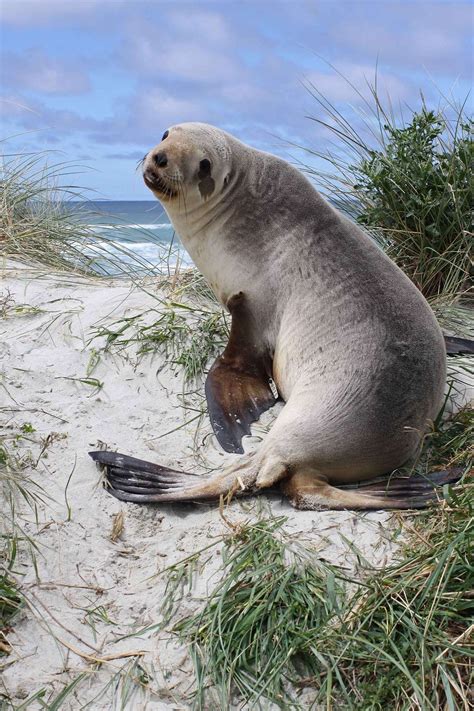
(281, 620)
(188, 326)
(250, 636)
(188, 336)
(18, 550)
(408, 181)
(44, 224)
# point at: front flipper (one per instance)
(238, 385)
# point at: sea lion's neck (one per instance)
(213, 234)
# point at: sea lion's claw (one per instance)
(411, 489)
(130, 479)
(458, 346)
(387, 492)
(238, 385)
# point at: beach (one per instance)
(126, 127)
(96, 584)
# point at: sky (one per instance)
(97, 82)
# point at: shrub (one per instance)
(410, 185)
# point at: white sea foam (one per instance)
(152, 226)
(143, 246)
(146, 255)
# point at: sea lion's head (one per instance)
(190, 165)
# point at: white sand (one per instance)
(79, 566)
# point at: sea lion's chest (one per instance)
(228, 268)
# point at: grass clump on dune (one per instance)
(188, 326)
(409, 182)
(251, 634)
(17, 549)
(418, 193)
(43, 222)
(188, 336)
(408, 635)
(286, 627)
(282, 621)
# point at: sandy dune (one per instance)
(79, 567)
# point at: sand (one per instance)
(138, 410)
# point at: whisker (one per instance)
(141, 161)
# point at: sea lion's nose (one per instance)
(160, 159)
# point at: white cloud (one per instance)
(156, 109)
(180, 58)
(208, 26)
(36, 71)
(429, 34)
(125, 155)
(36, 116)
(431, 41)
(45, 12)
(338, 88)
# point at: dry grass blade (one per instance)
(118, 526)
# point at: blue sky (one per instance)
(98, 81)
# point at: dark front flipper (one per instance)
(238, 385)
(459, 346)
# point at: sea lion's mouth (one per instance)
(158, 185)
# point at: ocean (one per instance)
(134, 232)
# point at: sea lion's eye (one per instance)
(165, 135)
(204, 168)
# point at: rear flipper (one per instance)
(306, 490)
(458, 346)
(131, 479)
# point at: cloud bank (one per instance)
(112, 75)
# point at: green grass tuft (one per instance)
(281, 620)
(188, 328)
(18, 491)
(251, 634)
(408, 181)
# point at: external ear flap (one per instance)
(206, 182)
(204, 168)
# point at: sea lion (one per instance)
(352, 346)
